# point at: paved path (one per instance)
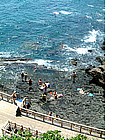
(7, 113)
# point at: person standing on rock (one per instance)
(73, 76)
(25, 75)
(22, 76)
(45, 89)
(30, 84)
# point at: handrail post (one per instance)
(26, 112)
(90, 131)
(2, 131)
(34, 115)
(71, 126)
(1, 96)
(7, 98)
(101, 135)
(61, 124)
(52, 120)
(43, 118)
(80, 128)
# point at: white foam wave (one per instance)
(67, 48)
(55, 65)
(90, 5)
(2, 67)
(56, 13)
(62, 12)
(99, 14)
(40, 62)
(37, 21)
(88, 17)
(5, 54)
(99, 20)
(91, 37)
(82, 50)
(65, 12)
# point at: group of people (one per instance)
(43, 87)
(24, 77)
(27, 105)
(21, 130)
(53, 95)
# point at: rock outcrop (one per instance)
(98, 75)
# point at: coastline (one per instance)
(73, 106)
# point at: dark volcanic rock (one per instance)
(103, 45)
(74, 62)
(73, 106)
(100, 59)
(98, 75)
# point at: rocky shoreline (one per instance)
(73, 106)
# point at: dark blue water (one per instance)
(52, 31)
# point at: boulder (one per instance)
(98, 75)
(103, 46)
(100, 59)
(74, 62)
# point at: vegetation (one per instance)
(49, 135)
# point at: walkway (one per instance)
(7, 113)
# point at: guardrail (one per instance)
(58, 121)
(5, 97)
(13, 129)
(64, 123)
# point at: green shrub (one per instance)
(49, 135)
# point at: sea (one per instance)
(53, 32)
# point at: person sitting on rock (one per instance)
(47, 84)
(43, 97)
(81, 91)
(55, 95)
(51, 92)
(39, 82)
